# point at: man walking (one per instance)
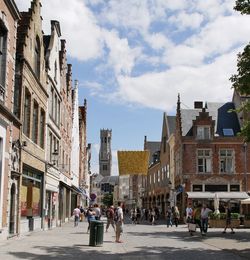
(228, 220)
(110, 217)
(204, 219)
(118, 222)
(76, 214)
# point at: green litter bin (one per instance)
(96, 233)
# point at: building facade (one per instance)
(10, 125)
(53, 123)
(105, 154)
(30, 107)
(209, 155)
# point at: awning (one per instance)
(245, 201)
(221, 195)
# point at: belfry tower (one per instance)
(105, 155)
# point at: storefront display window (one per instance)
(31, 194)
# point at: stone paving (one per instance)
(142, 241)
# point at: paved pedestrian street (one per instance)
(142, 241)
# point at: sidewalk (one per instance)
(140, 242)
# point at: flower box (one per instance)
(221, 223)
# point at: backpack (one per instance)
(108, 213)
(116, 216)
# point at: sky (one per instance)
(133, 57)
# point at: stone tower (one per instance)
(105, 155)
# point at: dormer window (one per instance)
(203, 132)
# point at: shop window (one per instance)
(235, 187)
(31, 190)
(214, 188)
(197, 187)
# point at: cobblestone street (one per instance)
(140, 242)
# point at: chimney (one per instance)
(198, 104)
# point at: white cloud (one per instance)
(185, 20)
(78, 26)
(128, 37)
(221, 35)
(159, 90)
(121, 56)
(183, 55)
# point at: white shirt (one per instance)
(120, 214)
(205, 212)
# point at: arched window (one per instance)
(37, 55)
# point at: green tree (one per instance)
(241, 80)
(243, 6)
(107, 199)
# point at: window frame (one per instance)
(201, 134)
(206, 161)
(225, 159)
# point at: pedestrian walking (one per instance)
(110, 217)
(169, 215)
(197, 216)
(204, 219)
(90, 216)
(97, 212)
(81, 214)
(76, 214)
(118, 222)
(176, 215)
(189, 213)
(228, 219)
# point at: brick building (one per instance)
(209, 156)
(30, 106)
(158, 186)
(9, 123)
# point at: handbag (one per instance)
(192, 227)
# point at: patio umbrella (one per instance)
(216, 203)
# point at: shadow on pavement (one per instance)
(238, 237)
(77, 252)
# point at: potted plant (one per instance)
(219, 220)
(247, 221)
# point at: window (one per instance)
(3, 40)
(42, 127)
(203, 132)
(55, 72)
(228, 132)
(105, 167)
(37, 58)
(197, 187)
(204, 161)
(159, 176)
(26, 123)
(226, 161)
(35, 123)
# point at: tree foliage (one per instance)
(107, 199)
(243, 6)
(241, 80)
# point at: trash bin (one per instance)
(96, 233)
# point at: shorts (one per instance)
(119, 227)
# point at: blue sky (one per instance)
(132, 58)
